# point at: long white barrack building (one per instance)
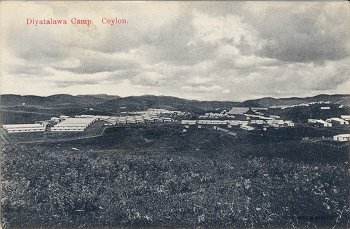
(20, 128)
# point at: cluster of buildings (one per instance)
(239, 113)
(337, 121)
(342, 138)
(243, 118)
(345, 117)
(328, 122)
(132, 119)
(342, 121)
(319, 123)
(55, 124)
(238, 110)
(248, 124)
(214, 122)
(213, 115)
(66, 123)
(234, 112)
(156, 112)
(151, 115)
(324, 105)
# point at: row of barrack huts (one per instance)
(82, 122)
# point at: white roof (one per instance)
(188, 121)
(76, 122)
(72, 124)
(259, 116)
(19, 126)
(321, 121)
(337, 119)
(238, 110)
(247, 127)
(342, 135)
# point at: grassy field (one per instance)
(157, 176)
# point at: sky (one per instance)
(197, 50)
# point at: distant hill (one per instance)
(268, 101)
(59, 100)
(134, 103)
(101, 96)
(108, 102)
(166, 102)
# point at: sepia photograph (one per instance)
(174, 114)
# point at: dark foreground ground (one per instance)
(156, 176)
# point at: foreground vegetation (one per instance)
(150, 176)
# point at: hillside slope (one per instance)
(268, 101)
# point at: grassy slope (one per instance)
(161, 177)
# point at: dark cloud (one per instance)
(297, 34)
(310, 46)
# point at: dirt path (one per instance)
(2, 133)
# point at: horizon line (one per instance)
(271, 97)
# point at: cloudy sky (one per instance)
(198, 50)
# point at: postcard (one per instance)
(174, 114)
